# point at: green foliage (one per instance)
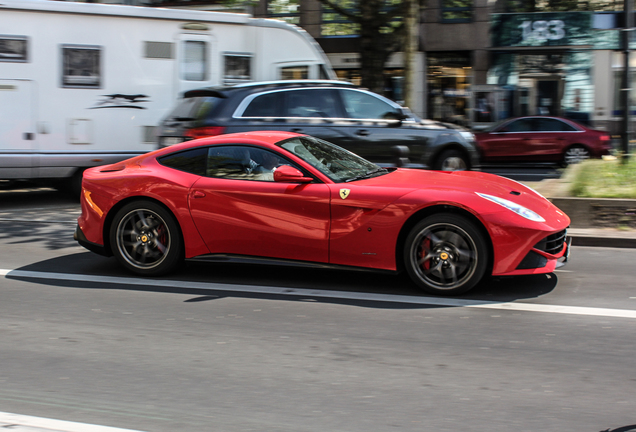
(605, 179)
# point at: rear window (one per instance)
(194, 108)
(193, 161)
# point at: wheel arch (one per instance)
(113, 211)
(415, 218)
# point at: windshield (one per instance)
(338, 164)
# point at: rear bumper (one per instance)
(93, 247)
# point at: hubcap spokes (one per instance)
(143, 239)
(446, 256)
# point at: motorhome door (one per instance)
(17, 128)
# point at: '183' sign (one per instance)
(542, 31)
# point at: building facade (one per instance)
(479, 61)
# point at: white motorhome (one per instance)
(86, 84)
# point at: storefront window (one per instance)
(449, 76)
(456, 11)
(557, 84)
(286, 10)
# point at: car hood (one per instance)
(455, 183)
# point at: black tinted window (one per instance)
(194, 108)
(192, 161)
(311, 103)
(265, 105)
(553, 125)
(522, 125)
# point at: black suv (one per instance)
(358, 120)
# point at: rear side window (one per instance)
(194, 108)
(312, 103)
(265, 105)
(522, 125)
(192, 161)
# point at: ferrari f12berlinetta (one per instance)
(286, 196)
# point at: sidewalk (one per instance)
(604, 237)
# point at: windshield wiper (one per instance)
(368, 174)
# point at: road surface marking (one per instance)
(347, 295)
(18, 422)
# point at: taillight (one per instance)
(605, 138)
(202, 132)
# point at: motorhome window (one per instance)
(158, 50)
(294, 72)
(238, 68)
(13, 49)
(81, 66)
(195, 61)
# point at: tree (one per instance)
(381, 30)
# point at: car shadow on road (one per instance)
(211, 281)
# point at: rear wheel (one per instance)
(146, 239)
(575, 154)
(446, 254)
(451, 160)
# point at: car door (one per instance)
(510, 141)
(374, 127)
(239, 213)
(551, 139)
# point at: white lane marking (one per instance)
(346, 295)
(18, 422)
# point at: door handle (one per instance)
(198, 194)
(362, 132)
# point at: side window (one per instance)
(522, 125)
(265, 105)
(14, 49)
(553, 125)
(360, 105)
(243, 163)
(81, 66)
(311, 103)
(192, 161)
(238, 68)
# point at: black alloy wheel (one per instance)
(146, 239)
(446, 254)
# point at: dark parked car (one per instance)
(358, 120)
(541, 139)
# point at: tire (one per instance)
(446, 254)
(451, 160)
(145, 238)
(575, 154)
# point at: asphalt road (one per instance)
(248, 347)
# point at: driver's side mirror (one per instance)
(288, 174)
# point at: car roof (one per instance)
(254, 137)
(225, 91)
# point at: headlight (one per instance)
(519, 209)
(468, 136)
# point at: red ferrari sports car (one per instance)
(287, 196)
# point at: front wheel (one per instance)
(446, 254)
(451, 160)
(146, 239)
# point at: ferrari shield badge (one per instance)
(344, 193)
